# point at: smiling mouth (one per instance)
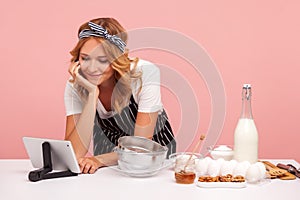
(94, 75)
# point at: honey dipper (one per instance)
(194, 150)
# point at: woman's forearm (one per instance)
(145, 124)
(107, 159)
(82, 133)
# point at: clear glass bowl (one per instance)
(139, 154)
(183, 157)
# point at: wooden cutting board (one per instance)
(286, 176)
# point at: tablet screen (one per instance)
(62, 153)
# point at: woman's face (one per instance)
(94, 64)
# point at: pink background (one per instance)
(255, 42)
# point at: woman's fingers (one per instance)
(76, 70)
(92, 169)
(80, 79)
(71, 67)
(81, 164)
(86, 168)
(87, 165)
(72, 70)
(89, 168)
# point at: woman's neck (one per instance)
(108, 85)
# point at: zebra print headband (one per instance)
(99, 31)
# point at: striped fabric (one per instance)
(108, 131)
(99, 31)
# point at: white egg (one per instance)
(262, 169)
(207, 159)
(201, 167)
(226, 168)
(197, 160)
(233, 163)
(253, 174)
(240, 170)
(246, 164)
(220, 161)
(213, 168)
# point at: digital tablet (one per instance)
(62, 153)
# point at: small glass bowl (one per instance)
(185, 155)
(184, 166)
(221, 151)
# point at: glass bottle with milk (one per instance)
(245, 135)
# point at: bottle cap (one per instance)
(247, 86)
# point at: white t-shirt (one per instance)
(148, 100)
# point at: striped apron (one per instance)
(107, 131)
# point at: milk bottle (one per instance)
(245, 135)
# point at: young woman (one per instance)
(111, 95)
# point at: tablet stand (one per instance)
(44, 172)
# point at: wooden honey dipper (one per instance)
(194, 150)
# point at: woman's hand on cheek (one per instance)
(80, 80)
(88, 165)
(72, 69)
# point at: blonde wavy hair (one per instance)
(120, 62)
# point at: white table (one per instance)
(108, 183)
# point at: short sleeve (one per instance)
(149, 98)
(73, 103)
